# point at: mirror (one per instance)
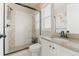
(60, 17)
(57, 17)
(67, 17)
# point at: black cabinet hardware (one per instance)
(2, 36)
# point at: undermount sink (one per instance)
(66, 42)
(60, 40)
(63, 41)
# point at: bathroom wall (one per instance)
(73, 18)
(1, 28)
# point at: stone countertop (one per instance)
(65, 42)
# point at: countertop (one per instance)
(69, 43)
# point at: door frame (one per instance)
(3, 28)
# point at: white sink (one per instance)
(60, 40)
(66, 42)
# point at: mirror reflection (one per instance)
(58, 17)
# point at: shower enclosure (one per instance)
(19, 21)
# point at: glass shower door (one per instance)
(18, 28)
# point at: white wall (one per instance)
(1, 28)
(60, 17)
(73, 18)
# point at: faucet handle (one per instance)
(67, 32)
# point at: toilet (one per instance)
(35, 49)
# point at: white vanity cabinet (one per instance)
(53, 49)
(46, 49)
(63, 51)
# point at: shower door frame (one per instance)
(4, 26)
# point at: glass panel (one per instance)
(18, 28)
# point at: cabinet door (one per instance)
(46, 49)
(62, 51)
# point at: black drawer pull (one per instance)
(50, 46)
(53, 47)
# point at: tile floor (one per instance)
(21, 53)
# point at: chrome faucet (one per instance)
(62, 34)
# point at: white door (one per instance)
(60, 51)
(1, 28)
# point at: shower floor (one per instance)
(25, 52)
